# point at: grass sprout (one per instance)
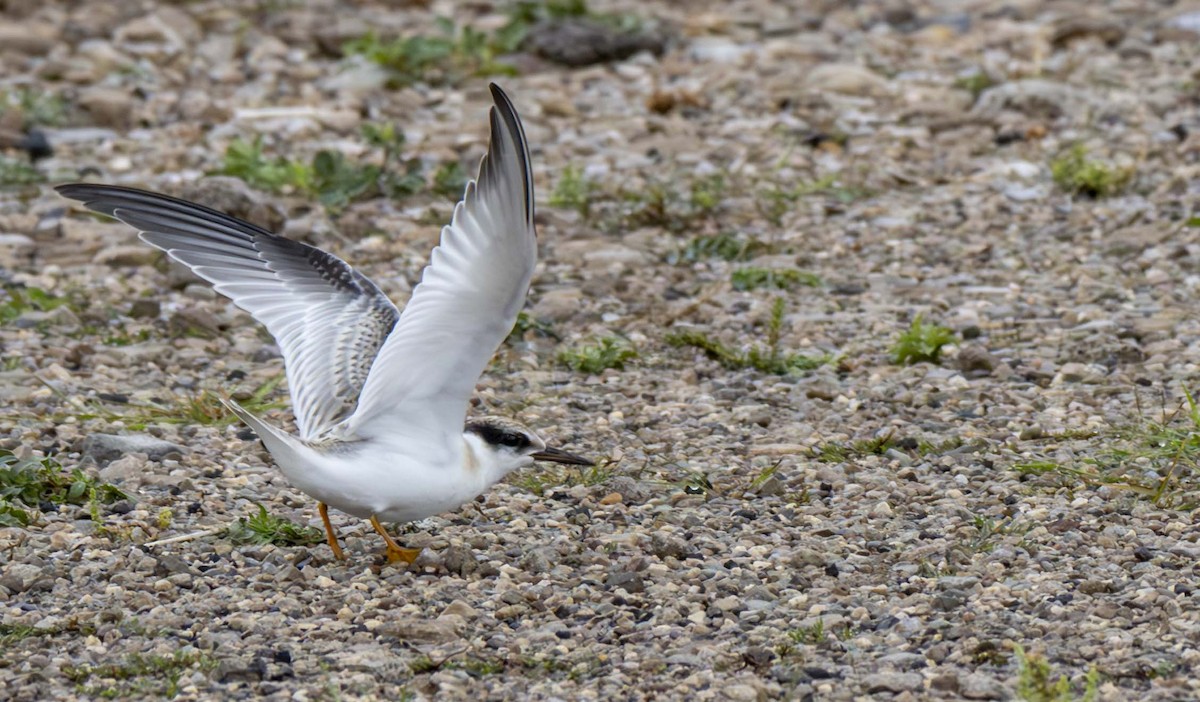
(921, 343)
(607, 352)
(263, 528)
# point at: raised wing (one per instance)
(328, 319)
(466, 302)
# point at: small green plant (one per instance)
(27, 484)
(573, 191)
(773, 200)
(538, 481)
(142, 676)
(987, 530)
(527, 323)
(455, 54)
(449, 180)
(814, 634)
(1078, 174)
(837, 453)
(204, 407)
(607, 352)
(1154, 460)
(12, 633)
(16, 300)
(922, 342)
(245, 160)
(265, 528)
(1035, 683)
(727, 247)
(754, 277)
(37, 108)
(975, 83)
(707, 193)
(15, 172)
(768, 358)
(330, 177)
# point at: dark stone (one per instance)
(109, 447)
(583, 42)
(460, 560)
(630, 582)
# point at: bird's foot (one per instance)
(330, 534)
(399, 553)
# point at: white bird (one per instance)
(380, 397)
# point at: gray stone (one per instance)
(903, 660)
(893, 682)
(414, 631)
(846, 78)
(21, 577)
(108, 447)
(978, 686)
(665, 545)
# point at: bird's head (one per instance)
(510, 445)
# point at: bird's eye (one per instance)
(514, 440)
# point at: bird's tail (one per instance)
(278, 442)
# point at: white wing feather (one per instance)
(328, 319)
(466, 303)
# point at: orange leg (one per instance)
(330, 536)
(395, 552)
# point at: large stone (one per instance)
(108, 107)
(893, 682)
(414, 631)
(583, 42)
(847, 79)
(109, 447)
(28, 39)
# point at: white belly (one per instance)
(391, 484)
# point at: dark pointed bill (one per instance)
(559, 456)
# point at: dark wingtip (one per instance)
(506, 113)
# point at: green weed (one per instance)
(27, 484)
(754, 277)
(139, 675)
(18, 300)
(14, 172)
(527, 323)
(330, 177)
(204, 407)
(450, 180)
(1035, 683)
(766, 358)
(707, 193)
(814, 634)
(540, 480)
(975, 83)
(265, 528)
(1077, 174)
(773, 200)
(573, 191)
(922, 342)
(454, 54)
(1155, 460)
(607, 352)
(987, 530)
(727, 247)
(838, 453)
(37, 108)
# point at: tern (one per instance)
(379, 396)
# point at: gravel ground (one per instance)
(862, 530)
